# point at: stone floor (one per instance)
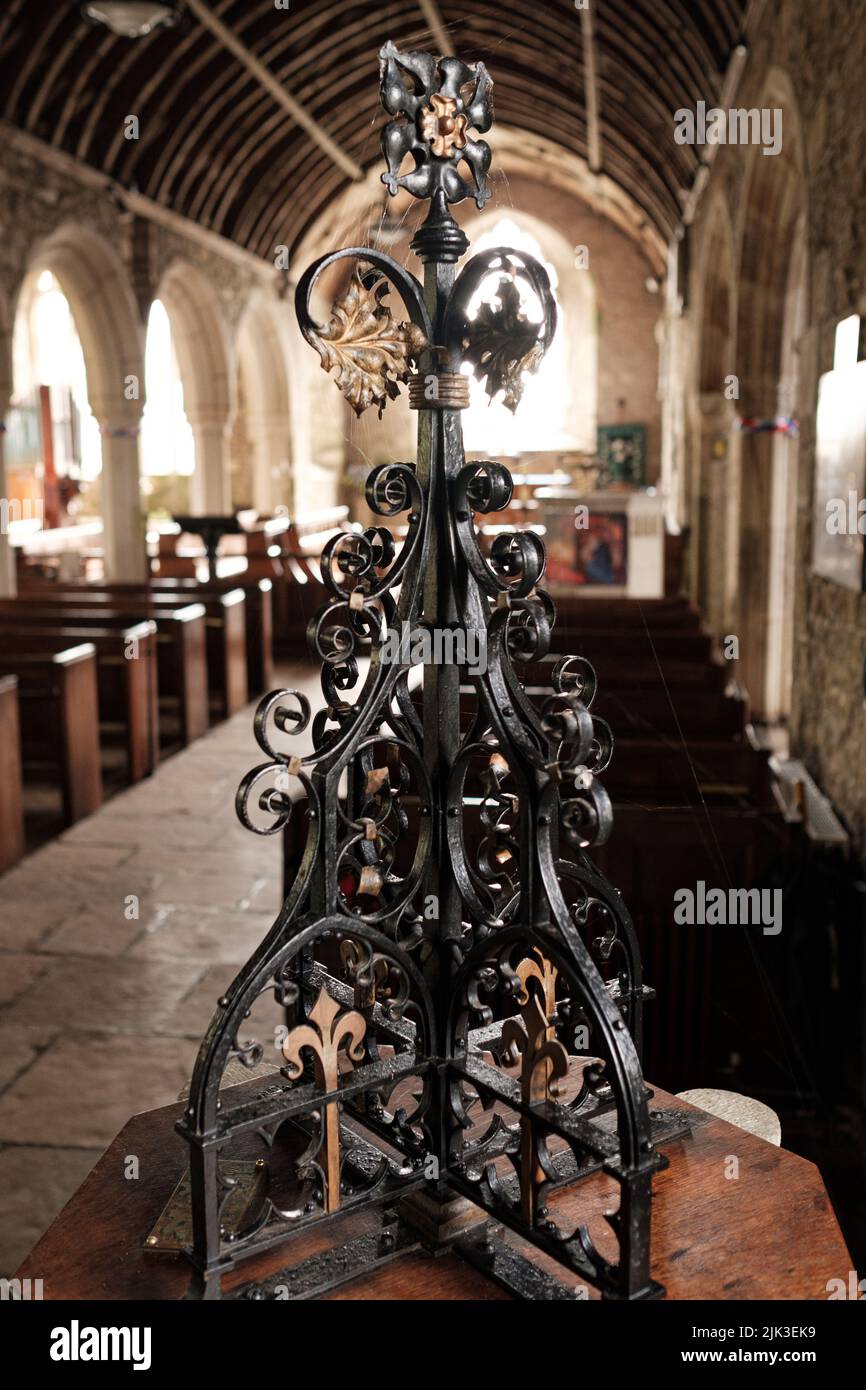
(115, 942)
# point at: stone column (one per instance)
(210, 485)
(757, 483)
(122, 515)
(709, 536)
(272, 480)
(8, 584)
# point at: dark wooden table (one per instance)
(769, 1233)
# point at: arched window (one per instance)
(53, 448)
(167, 447)
(558, 409)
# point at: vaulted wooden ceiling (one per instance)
(215, 146)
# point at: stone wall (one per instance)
(814, 55)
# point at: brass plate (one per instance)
(173, 1230)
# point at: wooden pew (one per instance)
(307, 536)
(671, 712)
(11, 803)
(283, 551)
(181, 647)
(580, 619)
(623, 672)
(665, 766)
(613, 614)
(126, 674)
(58, 704)
(259, 594)
(620, 646)
(169, 563)
(225, 628)
(696, 971)
(301, 594)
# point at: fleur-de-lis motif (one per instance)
(544, 1062)
(332, 1031)
(538, 967)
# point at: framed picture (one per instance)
(602, 549)
(622, 452)
(588, 551)
(840, 477)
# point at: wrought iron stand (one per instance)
(462, 987)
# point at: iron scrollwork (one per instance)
(457, 980)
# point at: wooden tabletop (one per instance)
(733, 1218)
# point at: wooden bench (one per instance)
(126, 673)
(666, 644)
(601, 618)
(59, 711)
(301, 593)
(670, 713)
(629, 673)
(662, 767)
(612, 614)
(181, 648)
(225, 629)
(11, 802)
(259, 595)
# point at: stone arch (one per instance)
(772, 281)
(716, 298)
(7, 567)
(205, 358)
(94, 279)
(713, 559)
(264, 395)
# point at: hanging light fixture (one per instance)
(130, 19)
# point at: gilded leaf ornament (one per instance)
(370, 351)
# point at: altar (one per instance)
(604, 544)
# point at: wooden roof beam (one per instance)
(433, 16)
(266, 79)
(590, 82)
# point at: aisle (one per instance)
(116, 940)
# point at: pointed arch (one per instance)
(773, 253)
(712, 558)
(264, 400)
(206, 360)
(94, 280)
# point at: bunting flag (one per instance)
(781, 424)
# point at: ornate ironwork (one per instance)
(446, 921)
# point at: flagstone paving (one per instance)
(116, 940)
